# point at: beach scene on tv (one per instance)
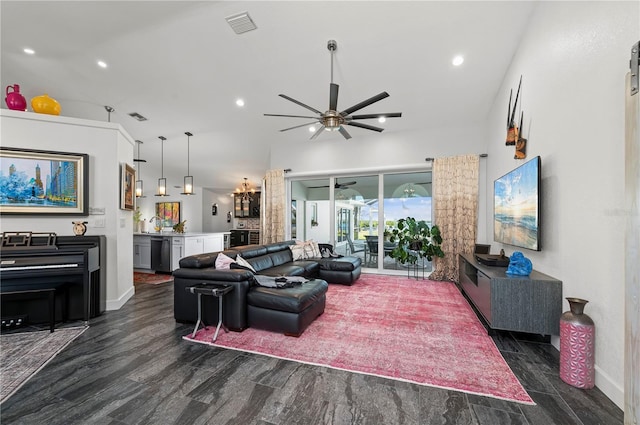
(516, 207)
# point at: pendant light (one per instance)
(188, 179)
(139, 184)
(162, 182)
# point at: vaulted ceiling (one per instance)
(180, 65)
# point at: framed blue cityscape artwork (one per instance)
(43, 182)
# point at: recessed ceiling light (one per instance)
(29, 51)
(312, 129)
(240, 102)
(381, 119)
(102, 64)
(457, 61)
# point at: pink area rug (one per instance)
(151, 278)
(422, 332)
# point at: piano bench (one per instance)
(49, 293)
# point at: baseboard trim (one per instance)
(117, 304)
(610, 388)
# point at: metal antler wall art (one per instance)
(514, 136)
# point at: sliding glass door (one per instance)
(357, 212)
(405, 195)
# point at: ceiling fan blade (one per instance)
(368, 127)
(300, 103)
(317, 133)
(365, 103)
(291, 116)
(344, 133)
(370, 116)
(345, 184)
(298, 126)
(333, 97)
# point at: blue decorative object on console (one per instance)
(519, 264)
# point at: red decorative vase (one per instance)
(14, 99)
(577, 346)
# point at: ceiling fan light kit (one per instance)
(333, 119)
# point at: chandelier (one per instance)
(245, 191)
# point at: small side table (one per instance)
(214, 290)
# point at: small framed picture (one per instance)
(127, 187)
(214, 209)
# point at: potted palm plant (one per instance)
(414, 240)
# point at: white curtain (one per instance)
(272, 219)
(455, 202)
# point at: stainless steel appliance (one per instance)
(161, 254)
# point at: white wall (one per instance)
(377, 151)
(573, 59)
(108, 145)
(216, 223)
(190, 205)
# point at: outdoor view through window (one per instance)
(356, 212)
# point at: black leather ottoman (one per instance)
(345, 270)
(286, 310)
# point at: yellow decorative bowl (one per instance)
(45, 105)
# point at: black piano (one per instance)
(75, 266)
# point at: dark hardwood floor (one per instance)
(132, 367)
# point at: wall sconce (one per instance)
(162, 182)
(188, 180)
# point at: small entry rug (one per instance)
(422, 332)
(25, 353)
(151, 278)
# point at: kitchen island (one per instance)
(162, 251)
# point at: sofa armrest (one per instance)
(185, 303)
(212, 274)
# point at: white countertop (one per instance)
(180, 235)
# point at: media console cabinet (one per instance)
(531, 304)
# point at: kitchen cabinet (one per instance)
(193, 245)
(141, 252)
(531, 304)
(244, 237)
(247, 209)
(177, 252)
(162, 252)
(239, 237)
(213, 243)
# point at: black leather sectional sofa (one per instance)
(284, 310)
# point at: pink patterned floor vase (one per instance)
(577, 346)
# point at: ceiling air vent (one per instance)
(137, 116)
(241, 22)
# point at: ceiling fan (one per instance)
(336, 185)
(333, 119)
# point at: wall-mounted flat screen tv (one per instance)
(516, 211)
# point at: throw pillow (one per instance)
(297, 252)
(242, 262)
(223, 262)
(312, 250)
